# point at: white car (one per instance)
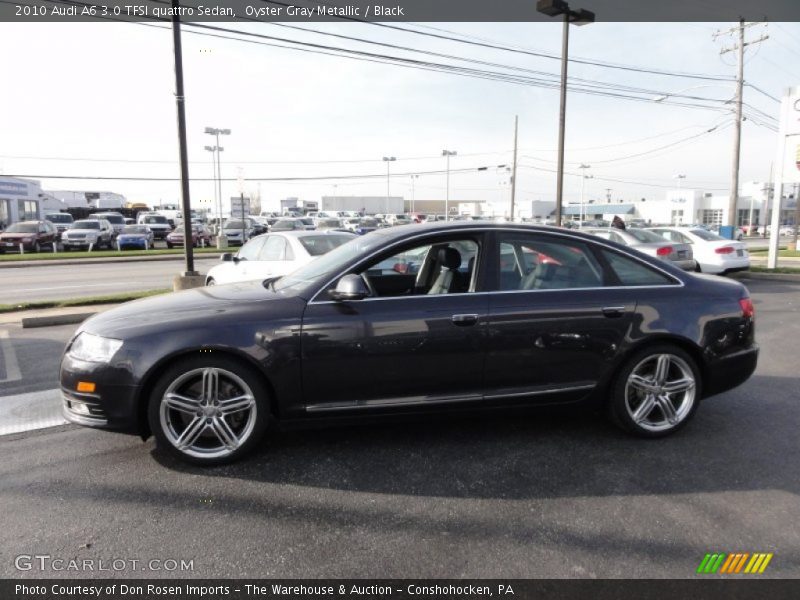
(275, 255)
(712, 253)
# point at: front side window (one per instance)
(528, 263)
(251, 249)
(430, 268)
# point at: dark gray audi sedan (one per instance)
(439, 317)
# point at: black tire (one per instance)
(625, 397)
(65, 248)
(210, 281)
(37, 247)
(169, 245)
(222, 363)
(697, 268)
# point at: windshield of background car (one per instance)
(23, 228)
(235, 225)
(647, 237)
(286, 225)
(317, 245)
(328, 264)
(88, 224)
(115, 219)
(369, 223)
(155, 220)
(134, 229)
(707, 235)
(60, 218)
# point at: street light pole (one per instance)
(583, 185)
(388, 160)
(447, 154)
(413, 193)
(213, 150)
(216, 132)
(553, 8)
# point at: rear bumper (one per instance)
(728, 372)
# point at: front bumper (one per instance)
(141, 243)
(113, 405)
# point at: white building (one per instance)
(20, 200)
(89, 199)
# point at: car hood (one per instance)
(160, 314)
(97, 231)
(132, 236)
(15, 236)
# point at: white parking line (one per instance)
(10, 358)
(34, 410)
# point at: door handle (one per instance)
(465, 320)
(613, 311)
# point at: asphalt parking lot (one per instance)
(540, 495)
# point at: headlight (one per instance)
(93, 348)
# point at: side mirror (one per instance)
(349, 287)
(226, 257)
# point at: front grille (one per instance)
(76, 236)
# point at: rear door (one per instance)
(553, 324)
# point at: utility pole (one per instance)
(514, 169)
(737, 135)
(608, 195)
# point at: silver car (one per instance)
(650, 243)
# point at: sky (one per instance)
(97, 99)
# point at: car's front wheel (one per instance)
(656, 392)
(209, 410)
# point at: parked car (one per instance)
(398, 219)
(61, 220)
(680, 254)
(293, 224)
(32, 235)
(156, 222)
(135, 237)
(117, 220)
(712, 253)
(366, 225)
(325, 224)
(275, 255)
(130, 221)
(738, 232)
(237, 231)
(97, 233)
(201, 236)
(593, 324)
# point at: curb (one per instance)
(767, 276)
(51, 320)
(99, 261)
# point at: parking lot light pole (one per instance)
(213, 150)
(216, 132)
(554, 8)
(447, 154)
(388, 160)
(584, 177)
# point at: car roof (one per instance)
(298, 233)
(455, 226)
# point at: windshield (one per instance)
(134, 229)
(707, 235)
(283, 226)
(115, 219)
(369, 223)
(23, 228)
(328, 264)
(648, 237)
(317, 245)
(155, 219)
(59, 218)
(88, 224)
(235, 225)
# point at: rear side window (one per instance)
(633, 273)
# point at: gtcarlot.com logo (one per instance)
(734, 563)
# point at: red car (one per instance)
(201, 236)
(32, 235)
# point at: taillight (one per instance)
(724, 250)
(748, 310)
(664, 251)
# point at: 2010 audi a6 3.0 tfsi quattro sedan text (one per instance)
(446, 316)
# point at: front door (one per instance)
(418, 339)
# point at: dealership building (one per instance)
(20, 200)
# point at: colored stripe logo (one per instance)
(733, 563)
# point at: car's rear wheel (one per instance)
(37, 247)
(656, 392)
(210, 281)
(209, 410)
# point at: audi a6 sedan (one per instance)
(492, 316)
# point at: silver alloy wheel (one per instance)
(660, 392)
(208, 413)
